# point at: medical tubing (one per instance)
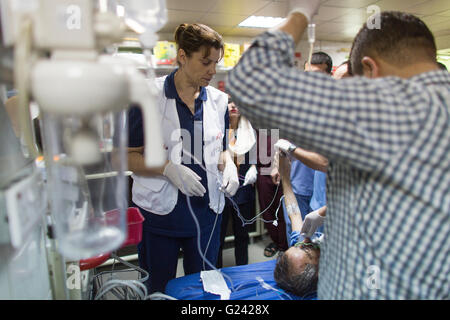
(116, 284)
(267, 286)
(133, 284)
(159, 296)
(250, 221)
(311, 40)
(217, 176)
(142, 271)
(230, 198)
(199, 244)
(197, 225)
(212, 232)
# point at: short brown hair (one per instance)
(193, 37)
(402, 39)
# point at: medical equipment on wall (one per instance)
(82, 96)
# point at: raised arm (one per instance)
(333, 118)
(311, 159)
(290, 200)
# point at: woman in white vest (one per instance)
(195, 119)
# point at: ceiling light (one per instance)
(261, 22)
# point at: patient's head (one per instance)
(297, 270)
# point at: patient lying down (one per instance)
(297, 268)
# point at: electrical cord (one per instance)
(123, 289)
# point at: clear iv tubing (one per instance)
(311, 40)
(197, 225)
(196, 220)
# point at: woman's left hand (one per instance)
(251, 175)
(230, 183)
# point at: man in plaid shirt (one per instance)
(387, 230)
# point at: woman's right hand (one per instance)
(186, 180)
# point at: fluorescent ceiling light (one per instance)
(261, 22)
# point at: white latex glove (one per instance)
(313, 220)
(307, 7)
(251, 175)
(186, 180)
(285, 146)
(230, 183)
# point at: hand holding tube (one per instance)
(285, 146)
(251, 175)
(230, 183)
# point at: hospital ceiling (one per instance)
(338, 20)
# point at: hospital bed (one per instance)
(251, 282)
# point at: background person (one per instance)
(241, 140)
(320, 62)
(269, 195)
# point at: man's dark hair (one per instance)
(442, 66)
(347, 62)
(301, 284)
(402, 39)
(322, 58)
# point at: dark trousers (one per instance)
(241, 237)
(267, 191)
(158, 255)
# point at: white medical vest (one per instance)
(157, 194)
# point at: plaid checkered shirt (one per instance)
(387, 230)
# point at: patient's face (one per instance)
(300, 257)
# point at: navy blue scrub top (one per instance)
(179, 223)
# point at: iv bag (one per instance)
(88, 200)
(150, 15)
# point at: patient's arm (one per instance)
(289, 198)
